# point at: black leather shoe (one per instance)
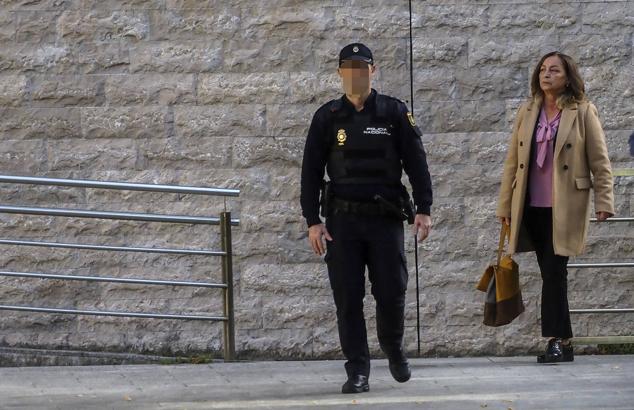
(399, 367)
(554, 352)
(356, 384)
(400, 370)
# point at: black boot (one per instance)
(357, 383)
(554, 352)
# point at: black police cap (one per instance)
(356, 51)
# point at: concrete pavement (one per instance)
(591, 382)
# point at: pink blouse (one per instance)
(540, 178)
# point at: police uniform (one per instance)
(365, 153)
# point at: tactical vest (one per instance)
(364, 148)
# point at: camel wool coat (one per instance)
(580, 164)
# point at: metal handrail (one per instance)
(112, 248)
(604, 339)
(615, 219)
(111, 313)
(602, 265)
(127, 186)
(129, 216)
(224, 221)
(615, 310)
(113, 280)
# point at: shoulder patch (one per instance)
(412, 122)
(411, 119)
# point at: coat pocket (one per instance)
(583, 183)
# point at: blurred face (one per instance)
(356, 77)
(552, 76)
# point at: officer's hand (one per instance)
(422, 226)
(602, 216)
(315, 232)
(505, 220)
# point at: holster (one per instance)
(403, 210)
(407, 205)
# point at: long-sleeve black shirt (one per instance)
(408, 144)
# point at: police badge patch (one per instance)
(341, 136)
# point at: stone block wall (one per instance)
(217, 93)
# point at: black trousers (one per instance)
(555, 311)
(375, 242)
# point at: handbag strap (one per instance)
(505, 232)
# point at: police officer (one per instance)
(365, 140)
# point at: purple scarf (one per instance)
(546, 131)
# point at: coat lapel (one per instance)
(528, 128)
(568, 116)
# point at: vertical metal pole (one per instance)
(417, 295)
(411, 61)
(227, 278)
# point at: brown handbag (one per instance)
(501, 283)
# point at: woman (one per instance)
(557, 142)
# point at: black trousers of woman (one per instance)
(555, 312)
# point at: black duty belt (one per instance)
(359, 208)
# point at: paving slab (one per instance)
(591, 382)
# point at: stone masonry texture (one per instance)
(219, 93)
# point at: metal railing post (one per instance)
(605, 339)
(225, 223)
(227, 278)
